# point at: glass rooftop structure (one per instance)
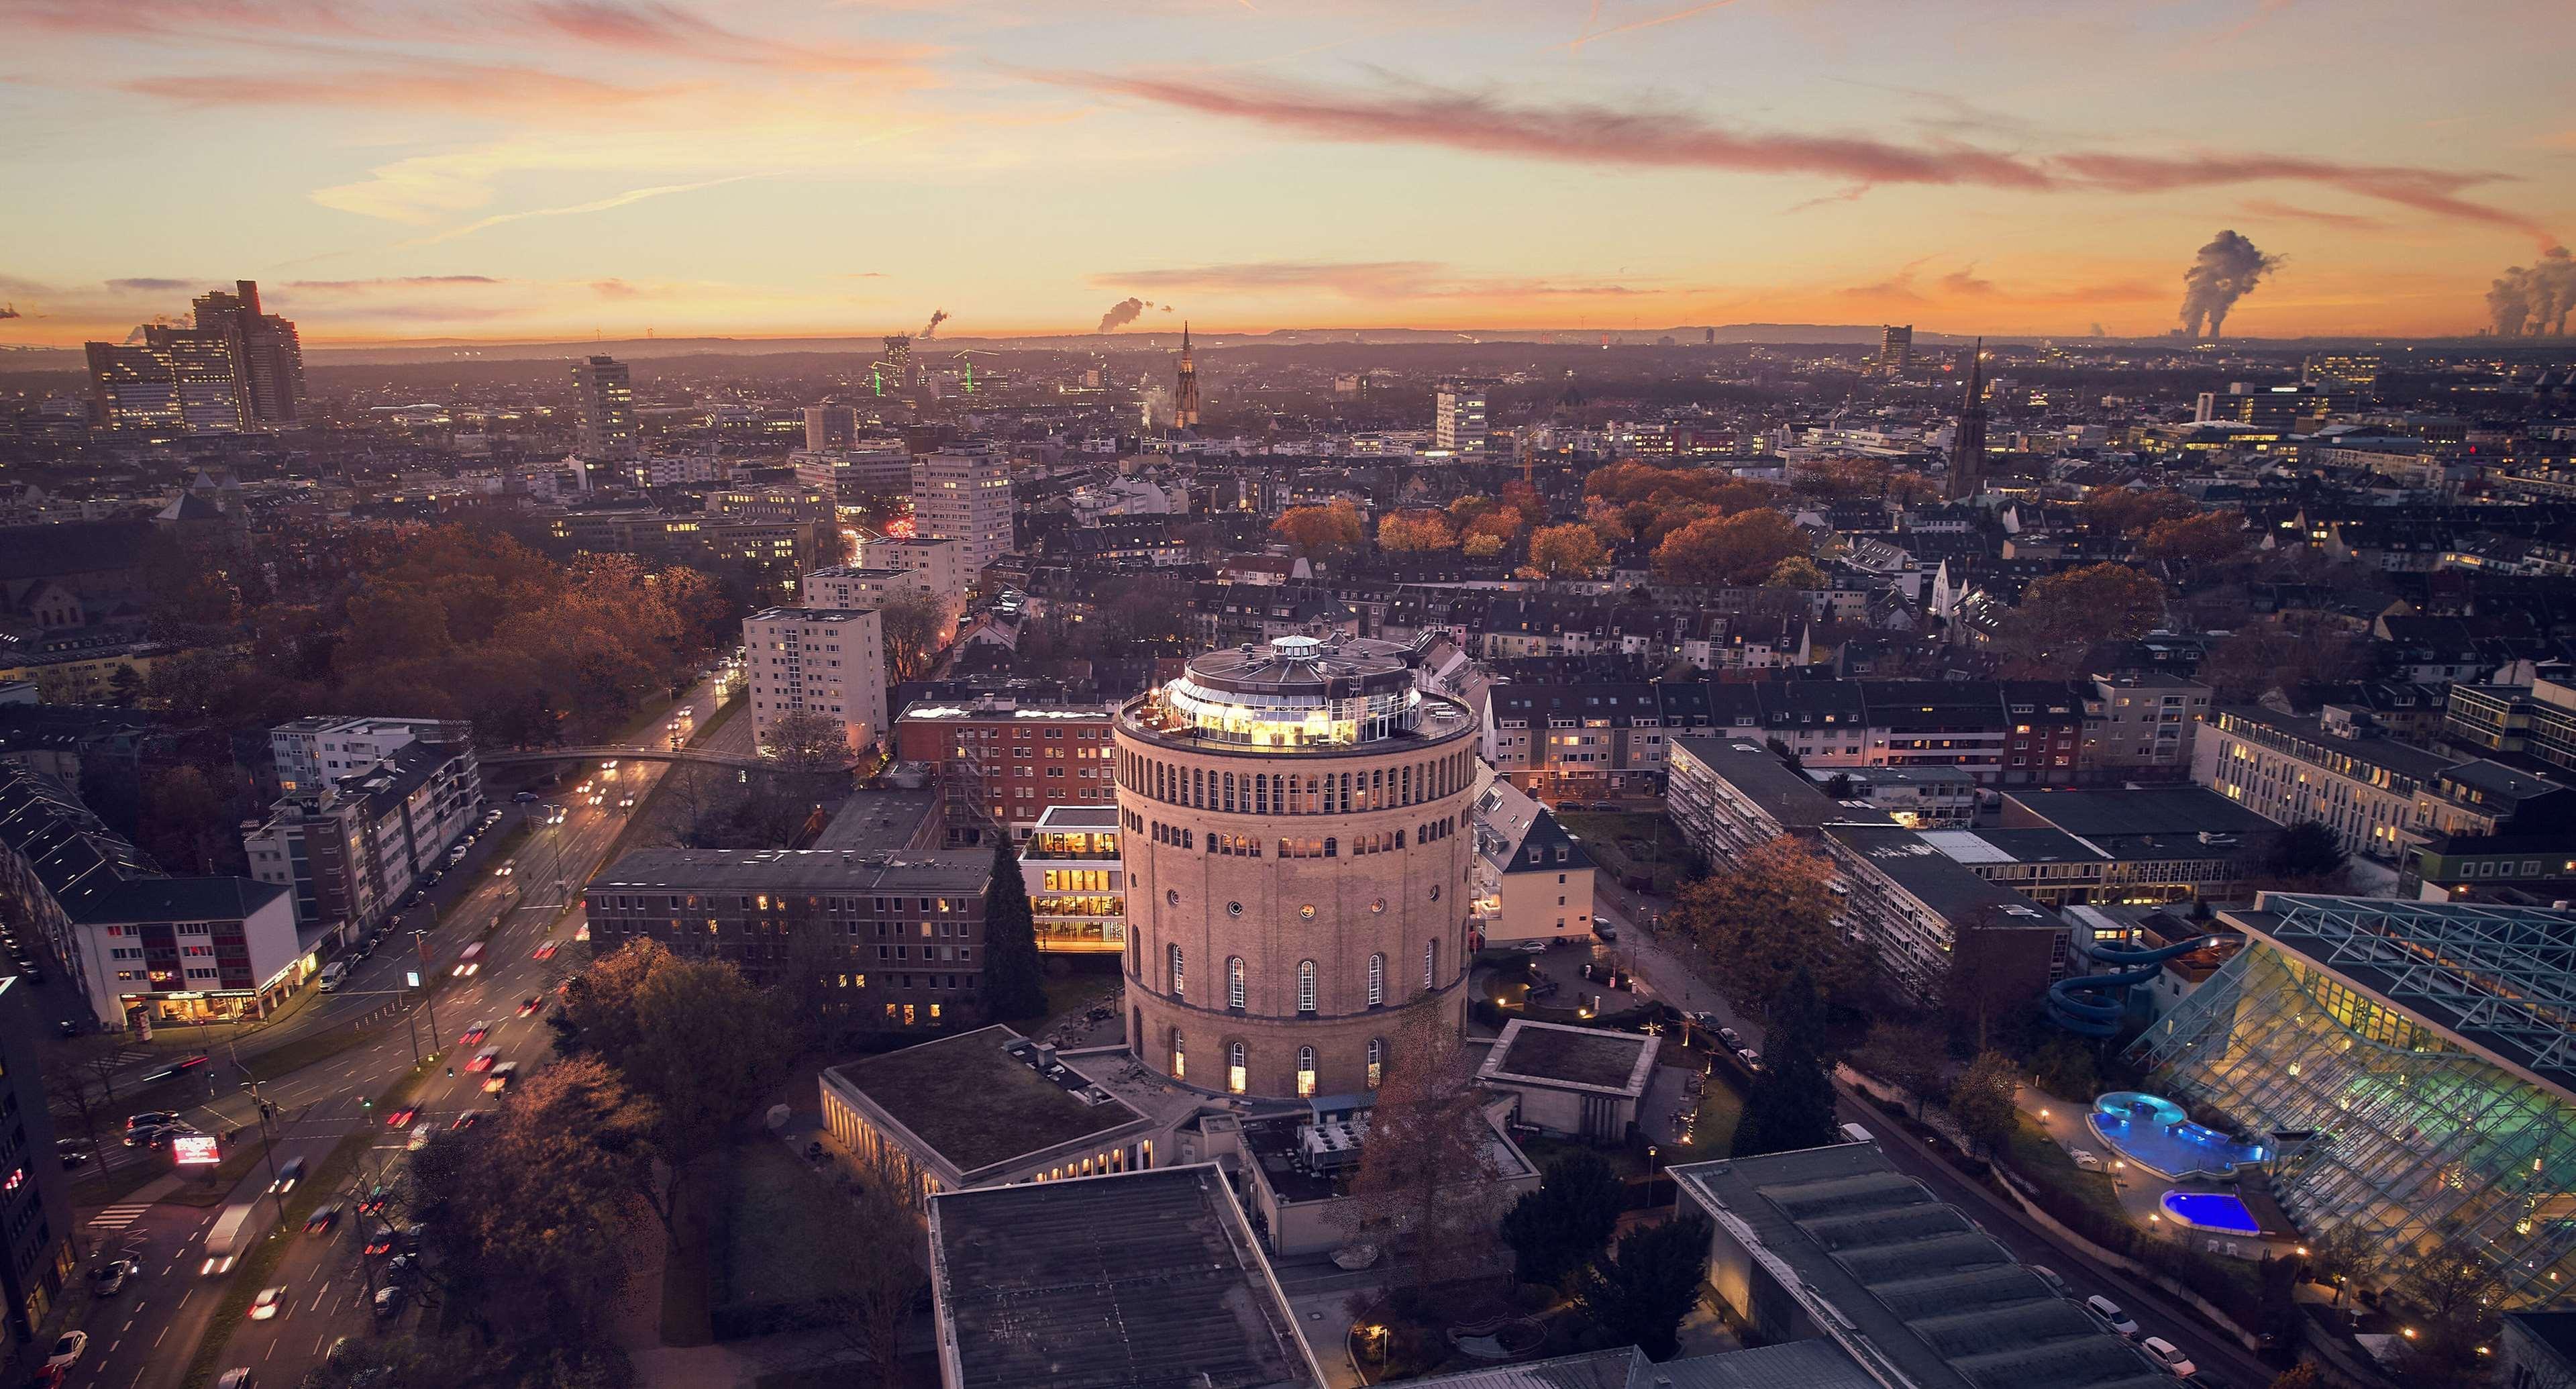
(2412, 1063)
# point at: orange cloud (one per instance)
(2348, 221)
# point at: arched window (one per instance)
(1179, 987)
(1377, 980)
(1305, 986)
(1430, 965)
(1180, 1063)
(1305, 1072)
(1376, 1061)
(1234, 1067)
(1234, 981)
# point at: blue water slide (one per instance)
(2091, 1005)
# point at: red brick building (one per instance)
(1003, 762)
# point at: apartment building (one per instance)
(851, 587)
(854, 472)
(311, 751)
(964, 494)
(938, 566)
(1003, 763)
(38, 1253)
(1533, 880)
(894, 939)
(828, 661)
(2381, 798)
(348, 848)
(695, 538)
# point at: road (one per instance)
(143, 1337)
(1670, 980)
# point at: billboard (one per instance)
(195, 1150)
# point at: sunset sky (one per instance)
(540, 168)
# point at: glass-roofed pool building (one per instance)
(2414, 1064)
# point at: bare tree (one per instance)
(872, 1256)
(1426, 1181)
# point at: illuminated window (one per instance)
(1234, 1067)
(1306, 986)
(1305, 1072)
(1180, 1063)
(1376, 1062)
(1431, 964)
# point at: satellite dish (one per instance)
(776, 1118)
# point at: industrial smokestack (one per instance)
(1121, 314)
(2534, 301)
(2225, 271)
(937, 317)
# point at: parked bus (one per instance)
(470, 961)
(236, 1230)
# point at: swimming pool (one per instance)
(2151, 1131)
(2210, 1210)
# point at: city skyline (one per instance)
(544, 169)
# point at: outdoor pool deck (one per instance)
(2152, 1133)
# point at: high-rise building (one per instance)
(1185, 389)
(963, 493)
(606, 399)
(1296, 833)
(35, 1203)
(175, 379)
(267, 356)
(1895, 347)
(1968, 441)
(828, 661)
(830, 427)
(1458, 419)
(897, 365)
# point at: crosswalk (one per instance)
(118, 1217)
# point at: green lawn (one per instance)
(1713, 1134)
(768, 1254)
(2036, 1156)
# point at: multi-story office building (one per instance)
(857, 471)
(349, 847)
(964, 494)
(267, 355)
(1076, 880)
(1895, 348)
(899, 935)
(1458, 419)
(830, 427)
(775, 503)
(851, 587)
(1297, 833)
(176, 380)
(2537, 720)
(1002, 763)
(604, 402)
(311, 751)
(2416, 1058)
(2142, 727)
(37, 1252)
(828, 661)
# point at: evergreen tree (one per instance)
(1013, 990)
(1792, 1101)
(1640, 1297)
(1557, 1229)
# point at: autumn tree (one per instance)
(1568, 551)
(1982, 1100)
(1481, 546)
(1412, 531)
(868, 1258)
(912, 629)
(1797, 572)
(1321, 532)
(1764, 917)
(2284, 652)
(2062, 615)
(1425, 1188)
(1557, 1229)
(2119, 511)
(1718, 550)
(1911, 1056)
(1014, 987)
(1640, 1295)
(2204, 538)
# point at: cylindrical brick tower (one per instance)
(1294, 822)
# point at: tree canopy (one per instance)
(1791, 1102)
(1319, 532)
(1640, 1296)
(1765, 917)
(1557, 1229)
(1013, 986)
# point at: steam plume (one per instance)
(937, 317)
(1122, 313)
(10, 311)
(2535, 301)
(2225, 271)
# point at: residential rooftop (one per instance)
(1144, 1279)
(794, 870)
(877, 821)
(976, 1102)
(1553, 1053)
(1935, 879)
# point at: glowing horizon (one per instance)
(514, 171)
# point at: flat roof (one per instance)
(797, 870)
(1935, 879)
(873, 821)
(1758, 775)
(1076, 817)
(2013, 846)
(1556, 1054)
(1903, 1281)
(1147, 1279)
(977, 1104)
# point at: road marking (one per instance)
(119, 1216)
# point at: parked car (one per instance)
(1536, 945)
(68, 1349)
(108, 1277)
(1730, 1037)
(2055, 1284)
(1605, 930)
(389, 1299)
(2169, 1355)
(2111, 1314)
(1752, 1059)
(322, 1219)
(525, 797)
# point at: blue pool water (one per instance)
(2210, 1210)
(2151, 1131)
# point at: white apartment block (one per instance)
(856, 588)
(604, 404)
(938, 566)
(827, 661)
(866, 468)
(312, 753)
(964, 494)
(1458, 420)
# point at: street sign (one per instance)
(411, 978)
(195, 1150)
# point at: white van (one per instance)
(332, 975)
